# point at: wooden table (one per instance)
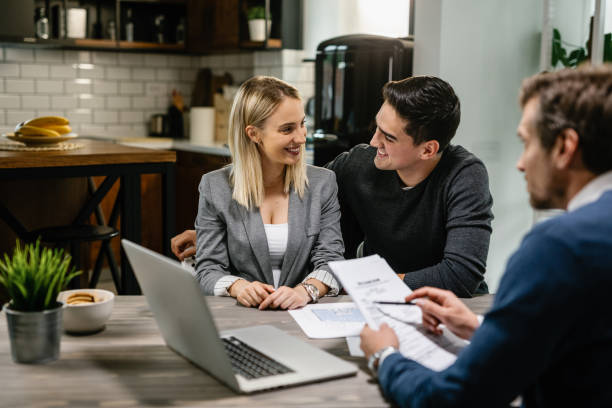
(114, 161)
(128, 365)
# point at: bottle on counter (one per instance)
(41, 23)
(160, 28)
(111, 30)
(129, 26)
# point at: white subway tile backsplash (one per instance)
(277, 73)
(105, 117)
(64, 102)
(140, 130)
(215, 61)
(63, 71)
(120, 131)
(143, 74)
(1, 86)
(117, 102)
(78, 116)
(91, 101)
(164, 74)
(43, 55)
(246, 60)
(19, 85)
(48, 112)
(35, 102)
(77, 86)
(105, 87)
(75, 57)
(13, 117)
(91, 72)
(104, 58)
(179, 61)
(131, 117)
(156, 88)
(9, 70)
(10, 102)
(3, 118)
(34, 71)
(291, 74)
(143, 102)
(131, 59)
(188, 74)
(162, 102)
(88, 129)
(231, 60)
(117, 73)
(2, 53)
(130, 88)
(155, 60)
(50, 86)
(19, 54)
(204, 61)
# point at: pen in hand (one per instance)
(382, 302)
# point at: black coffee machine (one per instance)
(350, 72)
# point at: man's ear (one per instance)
(430, 149)
(565, 151)
(252, 133)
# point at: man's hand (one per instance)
(442, 306)
(374, 340)
(286, 298)
(184, 244)
(250, 294)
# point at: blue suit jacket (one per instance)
(548, 336)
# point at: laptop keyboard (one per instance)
(249, 362)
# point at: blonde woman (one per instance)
(268, 224)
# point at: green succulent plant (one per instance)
(256, 12)
(34, 276)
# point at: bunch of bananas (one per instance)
(44, 126)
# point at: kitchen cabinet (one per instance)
(179, 26)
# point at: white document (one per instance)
(329, 320)
(371, 279)
(353, 343)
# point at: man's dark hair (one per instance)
(579, 99)
(430, 106)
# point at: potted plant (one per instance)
(33, 277)
(258, 24)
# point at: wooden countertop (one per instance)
(93, 152)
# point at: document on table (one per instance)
(329, 320)
(371, 279)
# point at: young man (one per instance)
(411, 197)
(414, 199)
(548, 336)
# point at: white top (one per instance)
(277, 235)
(591, 191)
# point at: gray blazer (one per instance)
(232, 240)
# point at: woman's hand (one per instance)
(250, 294)
(442, 306)
(286, 298)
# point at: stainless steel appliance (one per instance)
(350, 72)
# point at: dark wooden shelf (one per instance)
(155, 1)
(271, 43)
(93, 43)
(140, 45)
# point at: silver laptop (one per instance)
(247, 359)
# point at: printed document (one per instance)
(329, 320)
(371, 279)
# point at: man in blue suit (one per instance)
(548, 336)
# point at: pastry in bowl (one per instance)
(86, 310)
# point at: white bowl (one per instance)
(87, 317)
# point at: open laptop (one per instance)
(247, 359)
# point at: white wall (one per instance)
(484, 49)
(324, 19)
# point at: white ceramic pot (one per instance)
(257, 29)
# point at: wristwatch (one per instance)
(312, 291)
(374, 359)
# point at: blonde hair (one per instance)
(256, 101)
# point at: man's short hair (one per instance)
(579, 99)
(428, 104)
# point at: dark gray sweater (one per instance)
(437, 233)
